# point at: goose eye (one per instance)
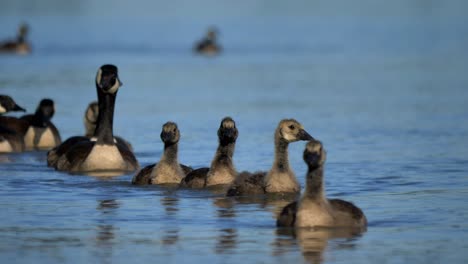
(292, 127)
(174, 130)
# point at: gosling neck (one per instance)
(314, 183)
(224, 154)
(170, 153)
(281, 162)
(104, 128)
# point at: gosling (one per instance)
(222, 170)
(280, 178)
(314, 209)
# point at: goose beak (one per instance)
(165, 136)
(303, 135)
(18, 108)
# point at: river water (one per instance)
(383, 85)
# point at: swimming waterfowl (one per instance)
(41, 132)
(19, 45)
(222, 170)
(90, 121)
(101, 153)
(10, 140)
(314, 209)
(208, 45)
(167, 170)
(280, 178)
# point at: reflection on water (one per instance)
(105, 229)
(171, 231)
(313, 241)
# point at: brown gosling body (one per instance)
(314, 209)
(222, 171)
(167, 170)
(280, 178)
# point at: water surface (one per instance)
(382, 86)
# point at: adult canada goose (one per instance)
(10, 140)
(90, 121)
(314, 209)
(280, 178)
(222, 170)
(101, 153)
(19, 45)
(208, 45)
(41, 132)
(167, 170)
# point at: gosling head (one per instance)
(227, 132)
(92, 113)
(170, 133)
(212, 33)
(314, 154)
(23, 30)
(7, 104)
(290, 130)
(46, 109)
(91, 117)
(107, 79)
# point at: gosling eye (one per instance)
(174, 130)
(292, 127)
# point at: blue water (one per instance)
(382, 85)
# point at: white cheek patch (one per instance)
(115, 87)
(98, 77)
(2, 109)
(93, 139)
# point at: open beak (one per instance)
(303, 135)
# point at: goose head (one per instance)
(227, 132)
(170, 133)
(291, 130)
(7, 104)
(314, 154)
(46, 109)
(107, 79)
(91, 117)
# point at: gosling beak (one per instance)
(303, 135)
(166, 136)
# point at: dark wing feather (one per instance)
(287, 217)
(54, 154)
(15, 124)
(186, 169)
(349, 208)
(143, 176)
(195, 179)
(128, 156)
(247, 183)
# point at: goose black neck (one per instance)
(39, 119)
(170, 152)
(314, 182)
(104, 129)
(281, 155)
